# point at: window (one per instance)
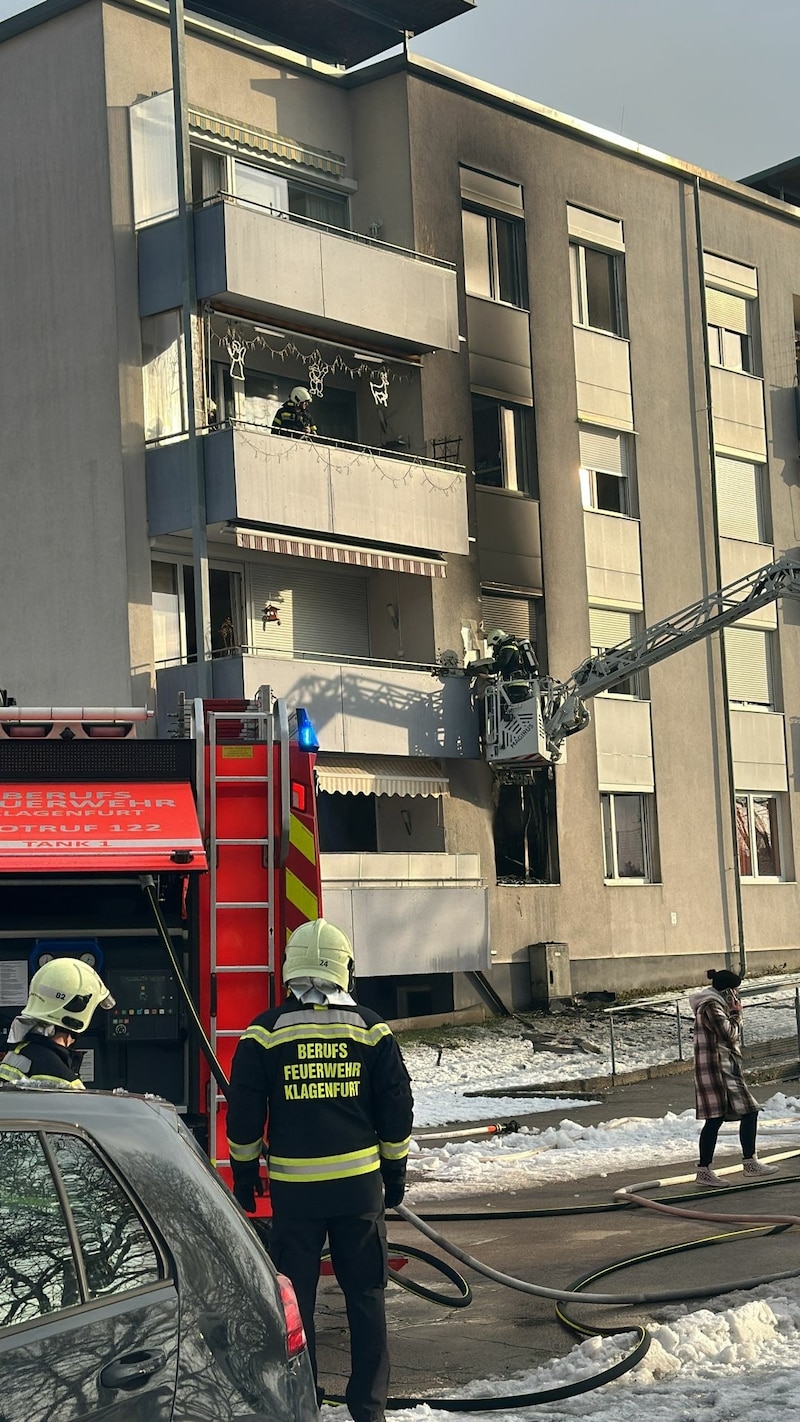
(515, 615)
(609, 628)
(606, 471)
(748, 659)
(524, 827)
(729, 343)
(626, 836)
(503, 444)
(163, 376)
(596, 282)
(758, 836)
(330, 209)
(494, 257)
(740, 499)
(40, 1275)
(117, 1253)
(174, 637)
(214, 172)
(347, 823)
(258, 185)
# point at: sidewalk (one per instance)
(763, 1061)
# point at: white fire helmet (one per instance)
(300, 395)
(65, 993)
(319, 950)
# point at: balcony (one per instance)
(362, 708)
(509, 539)
(603, 375)
(431, 908)
(738, 558)
(327, 489)
(737, 404)
(758, 747)
(289, 270)
(624, 743)
(613, 560)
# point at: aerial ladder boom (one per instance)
(530, 731)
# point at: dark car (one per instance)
(131, 1284)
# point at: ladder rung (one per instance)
(240, 779)
(242, 968)
(262, 842)
(254, 905)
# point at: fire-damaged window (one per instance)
(525, 839)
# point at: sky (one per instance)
(713, 82)
(710, 81)
(733, 1356)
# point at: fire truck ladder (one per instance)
(242, 924)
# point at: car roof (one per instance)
(91, 1108)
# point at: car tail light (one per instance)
(295, 1332)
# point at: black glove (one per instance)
(394, 1183)
(247, 1183)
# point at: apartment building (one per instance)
(553, 381)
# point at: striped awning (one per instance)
(380, 775)
(258, 140)
(341, 553)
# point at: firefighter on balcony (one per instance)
(293, 417)
(330, 1078)
(62, 997)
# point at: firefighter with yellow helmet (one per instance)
(62, 998)
(329, 1076)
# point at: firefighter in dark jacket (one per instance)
(293, 417)
(331, 1080)
(62, 997)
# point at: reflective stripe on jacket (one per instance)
(41, 1062)
(339, 1101)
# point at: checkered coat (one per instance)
(719, 1086)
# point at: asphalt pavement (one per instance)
(503, 1331)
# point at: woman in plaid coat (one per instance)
(720, 1088)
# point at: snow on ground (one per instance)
(735, 1358)
(707, 1366)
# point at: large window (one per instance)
(525, 838)
(627, 837)
(163, 376)
(740, 499)
(729, 325)
(606, 471)
(174, 635)
(494, 248)
(748, 659)
(758, 836)
(504, 445)
(214, 172)
(597, 292)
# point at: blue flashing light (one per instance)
(307, 738)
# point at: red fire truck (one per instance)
(177, 867)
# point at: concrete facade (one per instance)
(94, 502)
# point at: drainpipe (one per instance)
(202, 594)
(712, 457)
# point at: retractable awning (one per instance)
(141, 827)
(356, 557)
(380, 775)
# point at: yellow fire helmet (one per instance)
(319, 950)
(65, 993)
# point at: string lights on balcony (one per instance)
(238, 338)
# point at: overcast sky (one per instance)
(714, 82)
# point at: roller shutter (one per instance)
(603, 449)
(318, 612)
(739, 499)
(515, 615)
(747, 657)
(608, 628)
(726, 310)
